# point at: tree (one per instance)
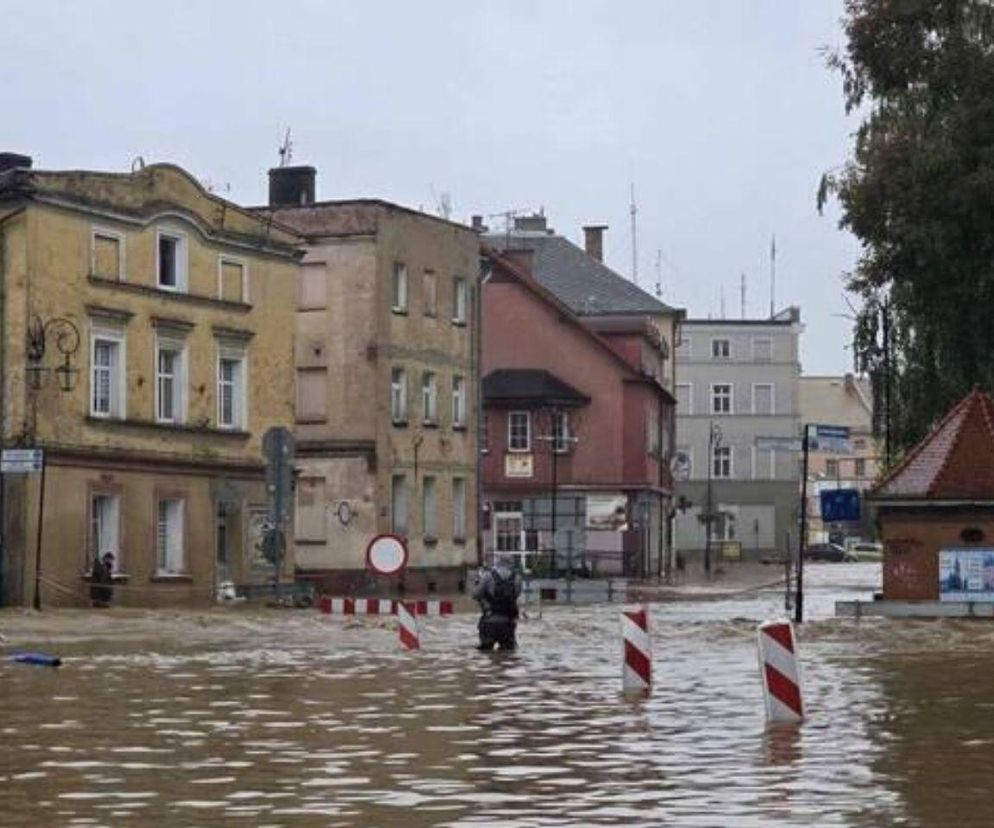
(918, 193)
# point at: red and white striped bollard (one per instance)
(407, 627)
(636, 670)
(781, 673)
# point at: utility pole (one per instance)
(714, 441)
(802, 541)
(885, 324)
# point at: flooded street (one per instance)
(296, 719)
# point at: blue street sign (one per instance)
(840, 505)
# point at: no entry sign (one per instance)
(386, 554)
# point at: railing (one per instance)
(586, 563)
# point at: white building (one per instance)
(737, 382)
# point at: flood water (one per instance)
(295, 719)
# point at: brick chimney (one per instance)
(291, 186)
(593, 240)
(478, 224)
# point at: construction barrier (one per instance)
(407, 627)
(781, 673)
(636, 670)
(379, 606)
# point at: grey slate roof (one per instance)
(529, 387)
(586, 285)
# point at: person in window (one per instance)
(497, 591)
(102, 580)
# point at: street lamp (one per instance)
(714, 442)
(559, 442)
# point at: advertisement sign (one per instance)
(829, 439)
(839, 505)
(606, 511)
(966, 575)
(517, 465)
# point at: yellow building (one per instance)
(167, 311)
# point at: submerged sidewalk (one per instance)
(725, 580)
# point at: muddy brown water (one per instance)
(294, 719)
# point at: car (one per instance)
(865, 550)
(829, 552)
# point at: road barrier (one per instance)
(379, 606)
(781, 673)
(407, 627)
(636, 670)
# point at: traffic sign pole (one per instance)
(41, 523)
(802, 541)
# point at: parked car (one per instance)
(865, 550)
(828, 552)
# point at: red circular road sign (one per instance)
(386, 554)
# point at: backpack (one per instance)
(504, 600)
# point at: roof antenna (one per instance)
(635, 255)
(773, 275)
(286, 150)
(659, 274)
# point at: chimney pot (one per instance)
(291, 186)
(478, 225)
(593, 241)
(13, 161)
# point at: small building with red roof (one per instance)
(936, 512)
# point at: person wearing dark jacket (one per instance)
(497, 592)
(102, 580)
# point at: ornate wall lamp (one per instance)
(66, 338)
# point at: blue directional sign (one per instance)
(829, 439)
(839, 505)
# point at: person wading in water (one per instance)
(497, 592)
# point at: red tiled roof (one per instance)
(954, 461)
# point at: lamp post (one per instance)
(559, 441)
(714, 442)
(65, 336)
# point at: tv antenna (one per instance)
(659, 274)
(286, 150)
(635, 255)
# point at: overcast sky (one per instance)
(722, 113)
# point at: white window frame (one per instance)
(508, 517)
(182, 260)
(458, 400)
(728, 347)
(773, 398)
(690, 396)
(459, 510)
(561, 434)
(240, 412)
(460, 299)
(429, 397)
(731, 462)
(528, 432)
(757, 339)
(171, 566)
(113, 525)
(224, 259)
(398, 394)
(731, 398)
(398, 285)
(107, 233)
(118, 402)
(179, 380)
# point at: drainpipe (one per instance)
(478, 360)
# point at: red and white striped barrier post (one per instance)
(781, 674)
(636, 670)
(407, 627)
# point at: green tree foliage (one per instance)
(918, 192)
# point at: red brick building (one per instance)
(578, 431)
(936, 508)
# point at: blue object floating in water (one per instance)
(41, 659)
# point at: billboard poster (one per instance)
(608, 512)
(966, 574)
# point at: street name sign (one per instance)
(21, 461)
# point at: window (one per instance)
(519, 436)
(231, 391)
(762, 398)
(232, 280)
(312, 395)
(107, 385)
(764, 464)
(560, 432)
(721, 461)
(429, 397)
(170, 382)
(429, 508)
(172, 261)
(459, 508)
(684, 398)
(399, 287)
(721, 398)
(459, 300)
(859, 468)
(508, 527)
(832, 467)
(169, 537)
(429, 293)
(398, 504)
(458, 401)
(105, 510)
(107, 255)
(762, 349)
(721, 348)
(398, 395)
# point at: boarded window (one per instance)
(107, 256)
(233, 281)
(310, 509)
(312, 398)
(312, 286)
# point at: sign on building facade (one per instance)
(966, 574)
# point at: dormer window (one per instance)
(171, 264)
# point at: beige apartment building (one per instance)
(145, 341)
(386, 370)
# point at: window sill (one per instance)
(180, 428)
(429, 424)
(459, 541)
(172, 293)
(519, 451)
(172, 578)
(430, 541)
(459, 323)
(117, 577)
(398, 311)
(399, 423)
(458, 427)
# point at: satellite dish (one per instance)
(386, 554)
